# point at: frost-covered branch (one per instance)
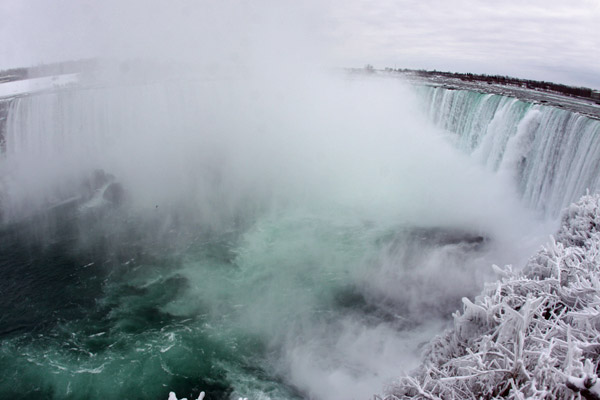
(173, 396)
(532, 334)
(588, 386)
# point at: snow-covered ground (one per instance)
(27, 86)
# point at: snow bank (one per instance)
(28, 86)
(173, 396)
(533, 334)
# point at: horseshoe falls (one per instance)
(270, 239)
(550, 154)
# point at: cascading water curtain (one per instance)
(552, 155)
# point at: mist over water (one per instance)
(275, 232)
(276, 239)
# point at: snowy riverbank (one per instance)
(529, 335)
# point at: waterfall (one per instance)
(552, 154)
(271, 238)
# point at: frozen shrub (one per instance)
(532, 334)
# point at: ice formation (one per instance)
(173, 396)
(534, 333)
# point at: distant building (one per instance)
(595, 94)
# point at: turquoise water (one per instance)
(200, 236)
(116, 312)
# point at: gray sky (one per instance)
(542, 39)
(552, 40)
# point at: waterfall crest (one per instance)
(552, 154)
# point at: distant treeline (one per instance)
(13, 74)
(506, 80)
(38, 71)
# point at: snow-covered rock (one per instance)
(172, 396)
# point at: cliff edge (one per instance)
(532, 334)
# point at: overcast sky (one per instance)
(553, 40)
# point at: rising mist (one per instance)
(312, 224)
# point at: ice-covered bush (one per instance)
(532, 334)
(173, 396)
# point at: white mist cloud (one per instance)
(336, 165)
(227, 32)
(319, 144)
